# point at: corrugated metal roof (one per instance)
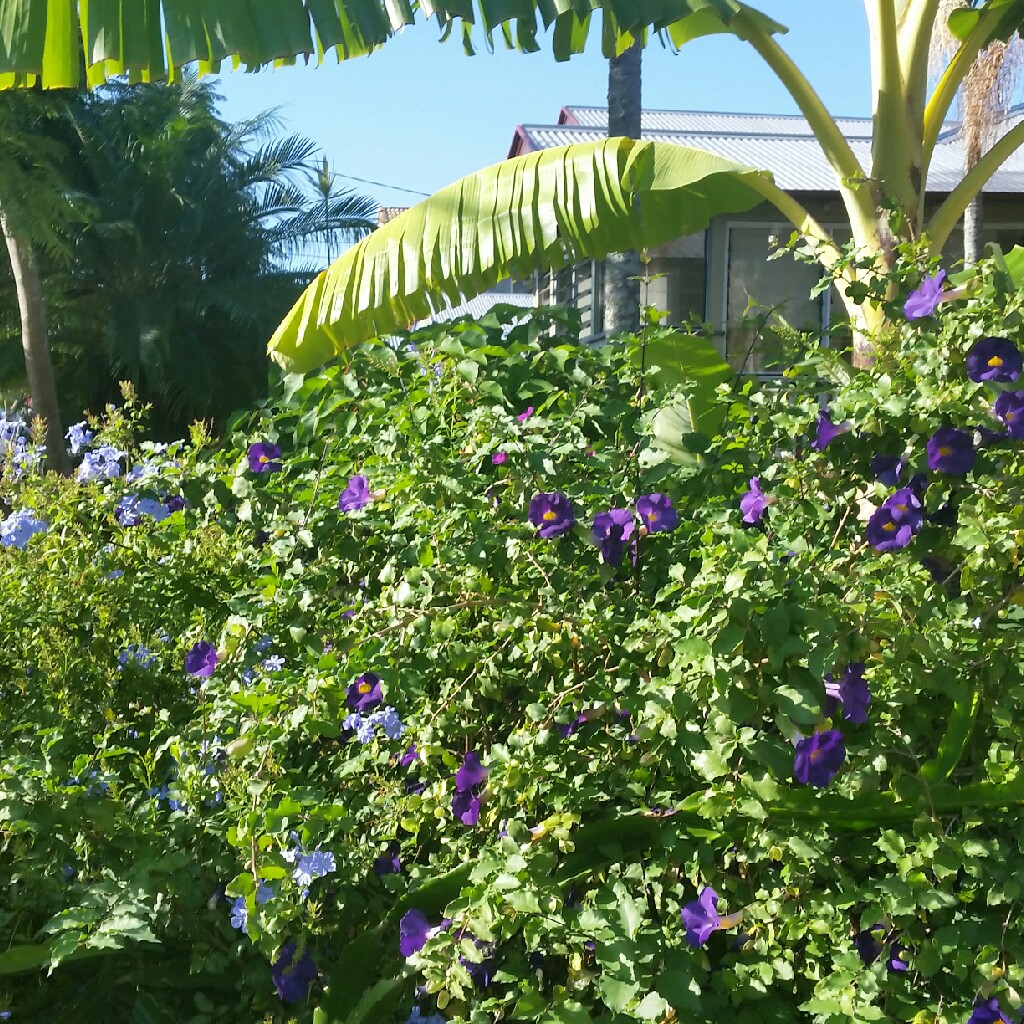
(793, 156)
(704, 122)
(481, 304)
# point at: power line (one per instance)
(380, 184)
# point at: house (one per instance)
(722, 276)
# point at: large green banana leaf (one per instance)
(148, 39)
(544, 209)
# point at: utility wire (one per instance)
(380, 184)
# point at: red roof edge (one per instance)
(566, 116)
(520, 143)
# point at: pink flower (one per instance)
(498, 458)
(524, 416)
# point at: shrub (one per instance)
(448, 686)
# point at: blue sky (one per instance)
(419, 114)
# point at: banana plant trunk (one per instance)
(622, 269)
(38, 365)
(972, 231)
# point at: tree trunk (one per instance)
(38, 364)
(972, 231)
(622, 269)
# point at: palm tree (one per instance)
(32, 199)
(622, 269)
(188, 253)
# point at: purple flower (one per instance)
(889, 529)
(480, 972)
(201, 660)
(413, 931)
(292, 980)
(754, 502)
(896, 961)
(498, 458)
(701, 917)
(466, 807)
(827, 432)
(356, 495)
(887, 469)
(411, 754)
(525, 414)
(868, 943)
(851, 691)
(389, 863)
(819, 757)
(951, 451)
(175, 503)
(987, 1011)
(1009, 408)
(612, 530)
(364, 694)
(472, 773)
(925, 298)
(996, 359)
(657, 513)
(263, 457)
(552, 513)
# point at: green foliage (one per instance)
(637, 721)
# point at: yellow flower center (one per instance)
(1010, 417)
(549, 515)
(945, 451)
(816, 754)
(263, 458)
(365, 687)
(889, 527)
(651, 516)
(995, 361)
(902, 508)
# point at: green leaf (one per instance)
(545, 209)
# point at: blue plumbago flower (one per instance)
(851, 691)
(142, 656)
(19, 528)
(827, 431)
(201, 660)
(248, 677)
(23, 459)
(365, 693)
(264, 893)
(471, 774)
(612, 530)
(995, 359)
(414, 929)
(162, 795)
(1009, 409)
(131, 508)
(274, 663)
(951, 451)
(312, 866)
(925, 298)
(239, 915)
(987, 1011)
(552, 513)
(389, 721)
(887, 469)
(102, 464)
(388, 863)
(78, 436)
(754, 502)
(263, 645)
(363, 727)
(819, 758)
(264, 457)
(356, 495)
(701, 918)
(292, 978)
(656, 513)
